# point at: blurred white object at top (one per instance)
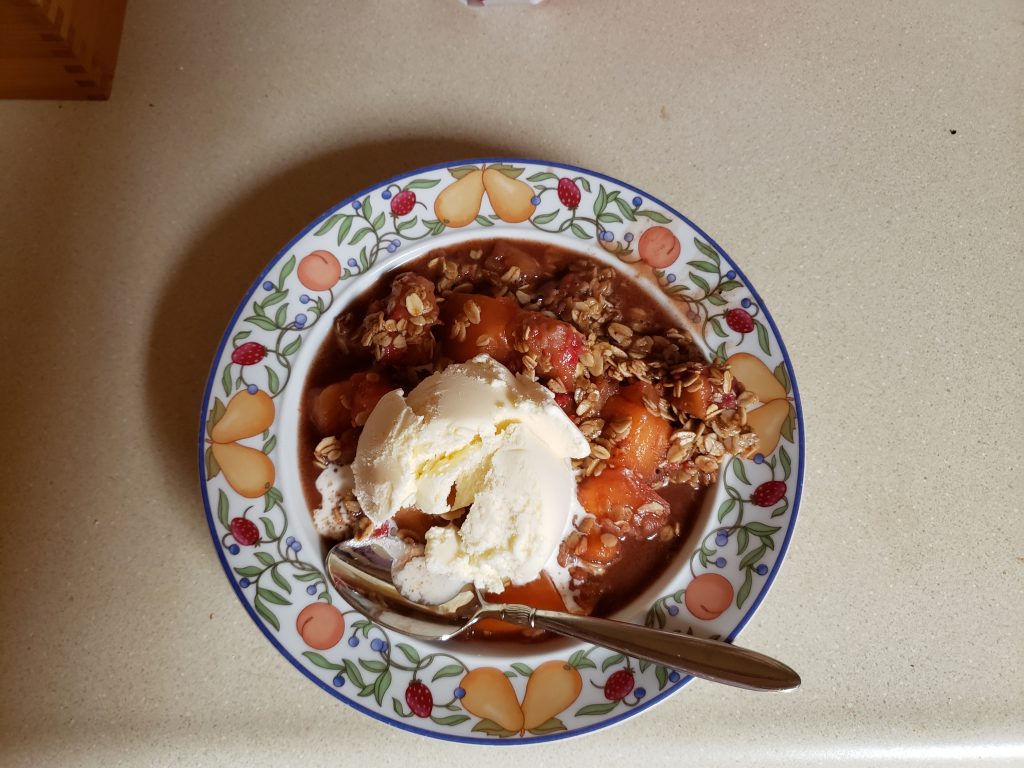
(486, 3)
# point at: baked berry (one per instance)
(768, 493)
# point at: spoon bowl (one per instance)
(361, 572)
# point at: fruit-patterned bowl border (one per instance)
(258, 517)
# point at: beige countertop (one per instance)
(861, 161)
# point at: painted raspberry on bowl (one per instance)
(245, 531)
(419, 699)
(249, 353)
(767, 494)
(569, 193)
(402, 203)
(739, 320)
(619, 685)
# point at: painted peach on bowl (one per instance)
(319, 271)
(659, 247)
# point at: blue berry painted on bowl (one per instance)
(357, 205)
(338, 681)
(396, 242)
(234, 549)
(759, 458)
(761, 569)
(637, 201)
(377, 645)
(268, 286)
(296, 547)
(460, 692)
(386, 194)
(353, 641)
(670, 279)
(304, 299)
(673, 676)
(731, 274)
(391, 248)
(673, 610)
(746, 303)
(720, 562)
(352, 263)
(607, 236)
(640, 692)
(311, 589)
(252, 389)
(289, 541)
(244, 582)
(628, 237)
(534, 200)
(721, 538)
(300, 320)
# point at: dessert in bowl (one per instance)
(570, 398)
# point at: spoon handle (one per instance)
(708, 659)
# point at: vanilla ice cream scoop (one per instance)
(472, 436)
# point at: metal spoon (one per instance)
(362, 575)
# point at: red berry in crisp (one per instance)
(569, 193)
(381, 530)
(727, 400)
(739, 320)
(768, 493)
(402, 203)
(419, 698)
(249, 353)
(618, 685)
(245, 531)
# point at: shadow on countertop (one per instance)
(215, 271)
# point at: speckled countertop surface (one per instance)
(861, 161)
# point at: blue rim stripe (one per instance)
(661, 696)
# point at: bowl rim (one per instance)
(379, 716)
